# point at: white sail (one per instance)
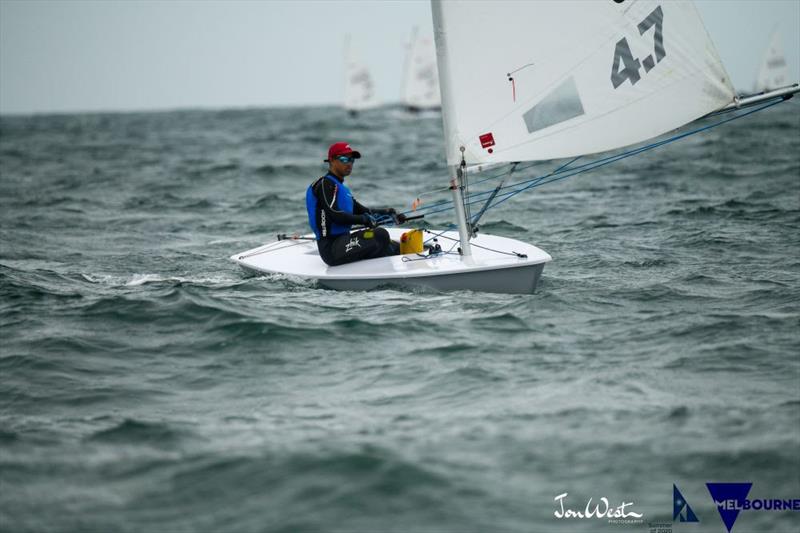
(773, 72)
(543, 80)
(359, 87)
(421, 80)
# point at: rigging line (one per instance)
(631, 153)
(574, 171)
(498, 251)
(457, 241)
(564, 166)
(611, 159)
(448, 202)
(264, 249)
(483, 209)
(433, 191)
(776, 100)
(464, 179)
(488, 178)
(529, 184)
(406, 259)
(534, 182)
(435, 235)
(451, 227)
(509, 172)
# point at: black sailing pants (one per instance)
(362, 244)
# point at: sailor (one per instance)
(332, 211)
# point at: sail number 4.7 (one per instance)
(627, 67)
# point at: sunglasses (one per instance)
(347, 160)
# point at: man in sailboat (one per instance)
(332, 211)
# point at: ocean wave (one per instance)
(757, 210)
(17, 364)
(506, 322)
(648, 263)
(172, 304)
(317, 485)
(65, 202)
(149, 383)
(8, 437)
(502, 226)
(290, 169)
(266, 332)
(36, 285)
(136, 432)
(270, 200)
(137, 280)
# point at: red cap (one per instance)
(338, 149)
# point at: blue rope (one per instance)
(448, 203)
(637, 151)
(567, 172)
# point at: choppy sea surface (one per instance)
(147, 384)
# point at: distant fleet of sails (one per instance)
(420, 85)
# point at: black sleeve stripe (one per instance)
(332, 202)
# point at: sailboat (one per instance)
(773, 71)
(420, 90)
(359, 87)
(537, 81)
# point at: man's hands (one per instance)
(398, 218)
(369, 221)
(372, 220)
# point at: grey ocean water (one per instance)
(146, 384)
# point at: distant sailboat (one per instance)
(359, 87)
(536, 81)
(420, 90)
(773, 72)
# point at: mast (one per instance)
(449, 122)
(457, 177)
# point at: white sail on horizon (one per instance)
(544, 80)
(359, 86)
(774, 71)
(420, 88)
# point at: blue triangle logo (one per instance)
(679, 504)
(729, 499)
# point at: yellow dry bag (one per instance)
(411, 242)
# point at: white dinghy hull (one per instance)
(493, 266)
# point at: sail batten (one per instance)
(546, 80)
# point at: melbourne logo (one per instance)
(602, 509)
(680, 507)
(731, 499)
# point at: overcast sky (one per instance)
(70, 55)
